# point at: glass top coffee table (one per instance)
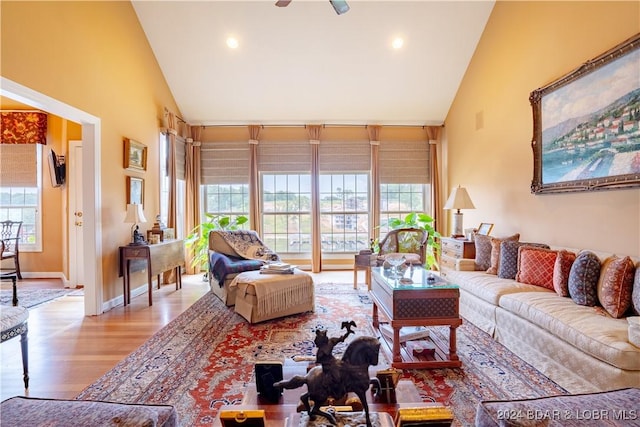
(417, 298)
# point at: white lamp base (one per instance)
(457, 225)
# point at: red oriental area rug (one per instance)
(205, 357)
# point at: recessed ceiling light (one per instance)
(397, 43)
(232, 42)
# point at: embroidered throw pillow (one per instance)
(583, 279)
(635, 295)
(483, 251)
(535, 266)
(561, 271)
(496, 250)
(508, 265)
(615, 285)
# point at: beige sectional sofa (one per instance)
(581, 348)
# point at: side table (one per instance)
(454, 249)
(157, 258)
(364, 262)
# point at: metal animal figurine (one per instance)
(337, 377)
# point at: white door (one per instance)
(76, 247)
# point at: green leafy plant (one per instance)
(198, 239)
(424, 222)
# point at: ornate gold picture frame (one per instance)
(135, 155)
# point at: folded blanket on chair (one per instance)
(248, 245)
(222, 265)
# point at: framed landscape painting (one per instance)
(586, 125)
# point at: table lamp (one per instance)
(459, 199)
(134, 216)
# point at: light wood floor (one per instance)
(68, 351)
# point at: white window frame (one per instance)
(25, 246)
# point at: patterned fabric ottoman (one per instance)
(609, 408)
(261, 297)
(21, 411)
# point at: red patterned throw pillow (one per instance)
(535, 266)
(561, 271)
(615, 285)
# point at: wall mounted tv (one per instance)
(57, 169)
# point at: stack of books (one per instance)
(277, 268)
(407, 333)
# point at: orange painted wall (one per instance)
(489, 127)
(95, 57)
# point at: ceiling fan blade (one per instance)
(340, 6)
(283, 3)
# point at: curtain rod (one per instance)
(324, 125)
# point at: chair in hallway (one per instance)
(10, 236)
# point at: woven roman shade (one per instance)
(404, 162)
(18, 165)
(339, 156)
(225, 162)
(279, 156)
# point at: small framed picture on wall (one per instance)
(135, 190)
(135, 155)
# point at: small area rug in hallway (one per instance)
(30, 298)
(205, 357)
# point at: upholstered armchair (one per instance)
(232, 252)
(411, 242)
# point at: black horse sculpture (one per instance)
(335, 378)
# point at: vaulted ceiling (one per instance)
(305, 64)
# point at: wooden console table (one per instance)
(156, 258)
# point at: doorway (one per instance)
(91, 176)
(76, 220)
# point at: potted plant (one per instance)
(198, 240)
(424, 222)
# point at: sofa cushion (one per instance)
(508, 265)
(496, 251)
(535, 266)
(575, 410)
(635, 294)
(484, 250)
(487, 286)
(615, 285)
(589, 329)
(583, 279)
(561, 271)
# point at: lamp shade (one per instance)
(459, 199)
(134, 214)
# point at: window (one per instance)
(398, 200)
(344, 212)
(404, 180)
(226, 199)
(286, 212)
(21, 191)
(225, 179)
(165, 185)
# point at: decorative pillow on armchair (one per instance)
(583, 279)
(561, 272)
(615, 285)
(535, 266)
(508, 265)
